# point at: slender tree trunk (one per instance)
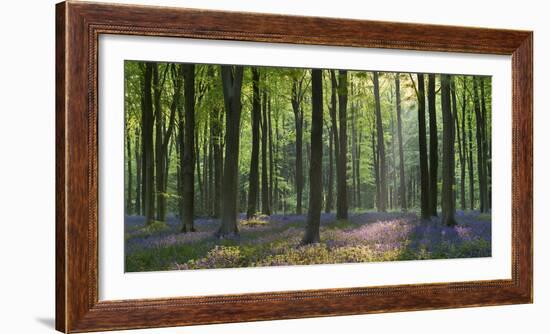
(276, 163)
(486, 156)
(188, 163)
(271, 169)
(218, 160)
(253, 178)
(480, 145)
(138, 208)
(148, 154)
(130, 177)
(232, 78)
(334, 127)
(381, 148)
(402, 181)
(180, 146)
(298, 125)
(159, 158)
(197, 159)
(423, 151)
(330, 179)
(211, 187)
(375, 165)
(433, 145)
(456, 134)
(448, 170)
(266, 210)
(342, 195)
(316, 164)
(393, 188)
(163, 137)
(461, 132)
(355, 183)
(471, 161)
(358, 170)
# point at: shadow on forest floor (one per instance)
(275, 240)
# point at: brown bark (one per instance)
(433, 145)
(147, 146)
(423, 154)
(342, 194)
(316, 164)
(480, 149)
(402, 181)
(448, 170)
(296, 100)
(381, 147)
(253, 177)
(266, 210)
(129, 179)
(232, 78)
(188, 163)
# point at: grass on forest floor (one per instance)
(276, 240)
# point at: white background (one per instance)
(27, 166)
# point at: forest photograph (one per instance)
(233, 166)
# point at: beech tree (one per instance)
(316, 169)
(232, 80)
(448, 168)
(254, 159)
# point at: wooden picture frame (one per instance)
(78, 26)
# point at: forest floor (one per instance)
(275, 240)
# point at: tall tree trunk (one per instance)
(334, 129)
(137, 148)
(253, 176)
(381, 148)
(218, 160)
(130, 177)
(486, 156)
(266, 210)
(423, 151)
(276, 163)
(402, 181)
(271, 169)
(197, 159)
(211, 187)
(180, 146)
(353, 147)
(316, 164)
(461, 136)
(358, 172)
(163, 136)
(375, 165)
(480, 144)
(471, 161)
(393, 188)
(188, 164)
(330, 179)
(232, 78)
(448, 170)
(433, 144)
(296, 100)
(342, 194)
(159, 158)
(205, 167)
(147, 146)
(456, 133)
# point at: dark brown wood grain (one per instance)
(78, 27)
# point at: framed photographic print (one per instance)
(222, 166)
